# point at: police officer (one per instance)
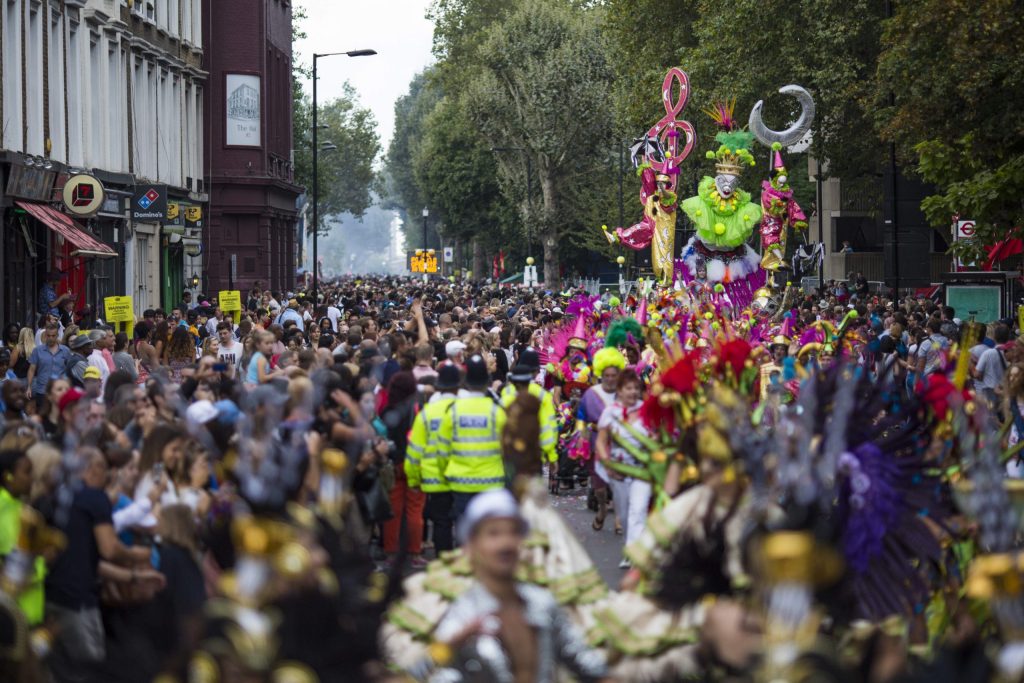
(521, 379)
(469, 438)
(425, 463)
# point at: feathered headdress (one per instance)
(624, 331)
(733, 153)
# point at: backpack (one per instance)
(70, 365)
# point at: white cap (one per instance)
(200, 412)
(454, 348)
(496, 504)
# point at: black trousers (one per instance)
(439, 511)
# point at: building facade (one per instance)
(250, 236)
(111, 89)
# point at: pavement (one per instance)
(604, 547)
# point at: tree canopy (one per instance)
(347, 178)
(555, 87)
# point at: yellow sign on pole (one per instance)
(423, 261)
(230, 302)
(120, 312)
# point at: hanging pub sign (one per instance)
(174, 217)
(33, 182)
(193, 215)
(83, 195)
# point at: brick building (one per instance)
(250, 235)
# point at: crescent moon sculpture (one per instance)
(791, 135)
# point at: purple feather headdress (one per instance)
(581, 305)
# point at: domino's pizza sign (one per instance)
(149, 203)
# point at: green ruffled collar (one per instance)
(707, 187)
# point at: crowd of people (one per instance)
(243, 495)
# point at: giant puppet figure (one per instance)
(659, 172)
(781, 211)
(724, 218)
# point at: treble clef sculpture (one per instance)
(657, 154)
(670, 128)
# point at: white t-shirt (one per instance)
(334, 315)
(230, 353)
(97, 361)
(991, 368)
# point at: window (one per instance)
(186, 21)
(173, 19)
(197, 25)
(55, 84)
(115, 102)
(34, 81)
(198, 139)
(97, 152)
(860, 231)
(161, 15)
(76, 110)
(12, 124)
(176, 135)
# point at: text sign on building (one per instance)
(242, 110)
(31, 182)
(83, 195)
(149, 203)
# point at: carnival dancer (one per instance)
(608, 363)
(780, 213)
(657, 229)
(632, 494)
(502, 629)
(724, 217)
(688, 550)
(567, 359)
(551, 557)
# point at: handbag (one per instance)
(375, 501)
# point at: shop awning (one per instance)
(84, 244)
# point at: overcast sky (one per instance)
(396, 29)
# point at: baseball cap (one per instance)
(200, 412)
(92, 372)
(454, 348)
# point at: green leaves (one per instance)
(954, 72)
(346, 175)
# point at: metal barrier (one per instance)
(596, 286)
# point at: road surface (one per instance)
(604, 547)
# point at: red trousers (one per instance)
(407, 506)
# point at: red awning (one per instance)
(65, 226)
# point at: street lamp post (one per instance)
(426, 213)
(316, 158)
